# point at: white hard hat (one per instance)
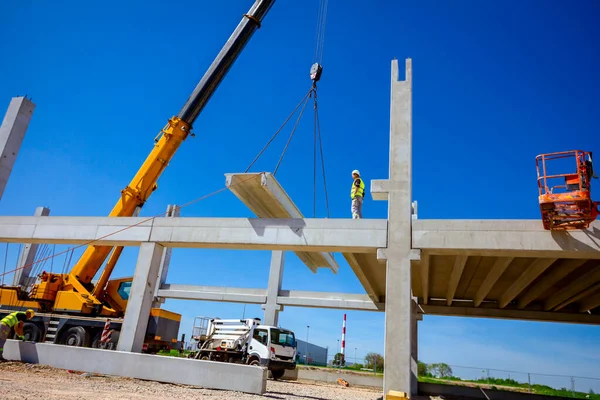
(357, 172)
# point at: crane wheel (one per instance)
(32, 332)
(76, 336)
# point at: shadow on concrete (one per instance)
(296, 225)
(28, 352)
(567, 242)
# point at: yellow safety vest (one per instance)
(360, 191)
(11, 319)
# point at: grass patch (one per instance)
(174, 353)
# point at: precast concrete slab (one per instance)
(507, 269)
(207, 374)
(263, 194)
(307, 235)
(529, 288)
(524, 238)
(370, 272)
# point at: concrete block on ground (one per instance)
(206, 374)
(290, 375)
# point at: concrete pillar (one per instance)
(271, 308)
(21, 276)
(141, 296)
(416, 317)
(400, 325)
(172, 212)
(12, 133)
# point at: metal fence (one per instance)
(563, 385)
(529, 382)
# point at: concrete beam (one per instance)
(510, 313)
(271, 306)
(163, 270)
(370, 271)
(307, 235)
(21, 276)
(135, 322)
(12, 132)
(263, 194)
(561, 297)
(213, 293)
(590, 303)
(547, 281)
(514, 238)
(207, 374)
(292, 298)
(532, 272)
(457, 270)
(581, 295)
(500, 265)
(424, 269)
(380, 188)
(341, 301)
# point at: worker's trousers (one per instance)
(4, 332)
(357, 207)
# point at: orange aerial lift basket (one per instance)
(565, 198)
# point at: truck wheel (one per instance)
(254, 361)
(32, 332)
(277, 373)
(76, 336)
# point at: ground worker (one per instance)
(357, 194)
(13, 320)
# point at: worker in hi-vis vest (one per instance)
(357, 193)
(13, 320)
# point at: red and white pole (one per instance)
(343, 349)
(106, 332)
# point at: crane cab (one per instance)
(564, 185)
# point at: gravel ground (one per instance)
(30, 381)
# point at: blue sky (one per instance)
(495, 84)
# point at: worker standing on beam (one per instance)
(357, 194)
(13, 320)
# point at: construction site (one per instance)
(97, 336)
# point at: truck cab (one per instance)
(274, 348)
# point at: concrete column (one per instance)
(12, 133)
(21, 276)
(416, 317)
(271, 308)
(140, 298)
(172, 212)
(401, 367)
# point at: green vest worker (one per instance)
(357, 194)
(9, 322)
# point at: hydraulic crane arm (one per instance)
(166, 144)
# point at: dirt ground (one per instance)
(30, 381)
